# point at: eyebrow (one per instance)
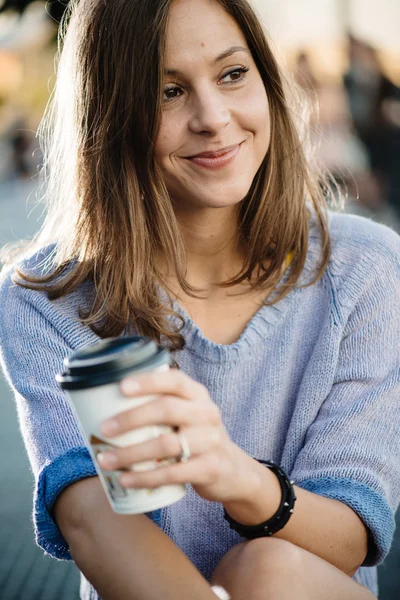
(229, 52)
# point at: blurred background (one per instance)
(344, 53)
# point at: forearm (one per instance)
(327, 528)
(127, 557)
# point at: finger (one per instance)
(165, 410)
(199, 439)
(173, 382)
(196, 471)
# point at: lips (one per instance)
(216, 159)
(215, 153)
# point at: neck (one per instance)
(211, 241)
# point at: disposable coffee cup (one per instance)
(91, 380)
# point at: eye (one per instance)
(171, 93)
(236, 75)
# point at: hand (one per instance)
(218, 469)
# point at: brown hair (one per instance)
(110, 213)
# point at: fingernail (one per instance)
(130, 386)
(127, 480)
(107, 459)
(109, 428)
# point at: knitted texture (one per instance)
(312, 384)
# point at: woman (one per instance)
(185, 209)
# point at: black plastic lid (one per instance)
(109, 361)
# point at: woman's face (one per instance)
(215, 128)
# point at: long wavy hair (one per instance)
(109, 213)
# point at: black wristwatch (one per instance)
(282, 515)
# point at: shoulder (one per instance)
(364, 264)
(33, 261)
(25, 309)
(34, 264)
(362, 250)
(354, 236)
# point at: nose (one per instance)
(209, 113)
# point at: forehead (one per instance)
(200, 28)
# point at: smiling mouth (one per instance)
(217, 159)
(215, 153)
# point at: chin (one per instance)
(221, 202)
(201, 202)
(228, 196)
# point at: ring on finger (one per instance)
(185, 450)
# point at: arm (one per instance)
(221, 471)
(326, 527)
(347, 474)
(124, 556)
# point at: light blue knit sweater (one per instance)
(312, 384)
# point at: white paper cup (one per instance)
(91, 379)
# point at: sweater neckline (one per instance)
(258, 330)
(260, 327)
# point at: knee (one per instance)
(271, 556)
(262, 560)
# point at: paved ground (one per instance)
(25, 573)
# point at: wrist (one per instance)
(273, 524)
(260, 495)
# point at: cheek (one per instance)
(167, 141)
(258, 116)
(162, 146)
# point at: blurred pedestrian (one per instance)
(21, 145)
(368, 90)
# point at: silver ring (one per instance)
(185, 450)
